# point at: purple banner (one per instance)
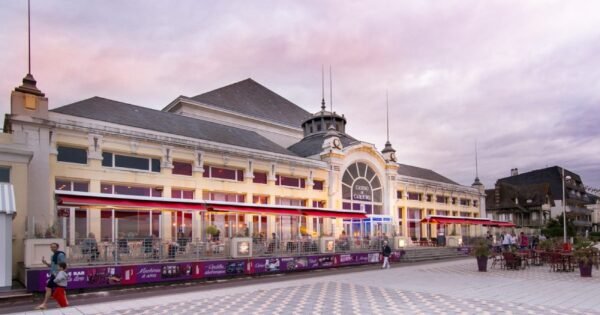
(107, 276)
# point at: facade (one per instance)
(530, 199)
(240, 159)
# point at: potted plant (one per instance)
(481, 251)
(213, 231)
(586, 256)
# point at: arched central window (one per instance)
(361, 189)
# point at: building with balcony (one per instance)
(530, 198)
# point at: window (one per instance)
(4, 175)
(259, 199)
(414, 223)
(130, 162)
(429, 198)
(361, 189)
(223, 173)
(318, 203)
(260, 178)
(465, 214)
(68, 185)
(465, 202)
(414, 196)
(130, 190)
(290, 202)
(182, 168)
(71, 155)
(290, 181)
(453, 200)
(182, 193)
(475, 203)
(440, 199)
(318, 184)
(399, 194)
(227, 197)
(443, 212)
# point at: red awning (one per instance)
(261, 209)
(123, 202)
(500, 224)
(335, 214)
(454, 220)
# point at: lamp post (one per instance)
(564, 204)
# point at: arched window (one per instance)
(361, 189)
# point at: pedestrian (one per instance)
(61, 280)
(524, 241)
(386, 251)
(57, 257)
(506, 241)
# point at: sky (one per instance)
(519, 78)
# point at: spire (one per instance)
(331, 131)
(477, 182)
(322, 88)
(387, 116)
(388, 144)
(29, 83)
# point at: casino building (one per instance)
(240, 158)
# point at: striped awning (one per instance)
(7, 199)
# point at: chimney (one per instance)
(514, 171)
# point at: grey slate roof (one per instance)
(103, 109)
(251, 98)
(312, 144)
(423, 173)
(504, 194)
(551, 175)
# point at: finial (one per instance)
(29, 37)
(322, 88)
(29, 83)
(387, 115)
(477, 182)
(330, 90)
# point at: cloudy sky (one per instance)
(522, 78)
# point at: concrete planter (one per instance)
(327, 245)
(36, 248)
(453, 241)
(482, 263)
(241, 247)
(400, 242)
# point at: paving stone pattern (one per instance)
(451, 287)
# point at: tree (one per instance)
(554, 227)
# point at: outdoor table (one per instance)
(567, 261)
(537, 257)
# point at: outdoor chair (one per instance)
(497, 259)
(511, 261)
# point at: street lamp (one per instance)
(564, 204)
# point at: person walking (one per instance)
(57, 257)
(386, 252)
(61, 280)
(506, 241)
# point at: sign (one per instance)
(90, 277)
(361, 190)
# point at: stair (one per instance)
(416, 254)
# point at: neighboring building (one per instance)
(527, 206)
(529, 199)
(239, 156)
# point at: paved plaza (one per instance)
(451, 287)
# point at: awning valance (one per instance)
(126, 202)
(335, 214)
(248, 209)
(454, 220)
(500, 224)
